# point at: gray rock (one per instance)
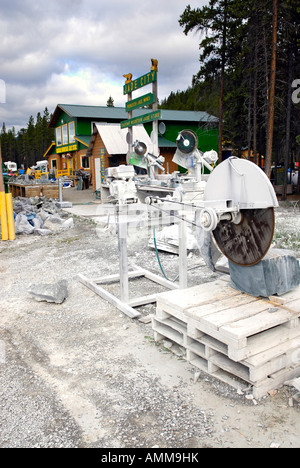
(277, 273)
(43, 215)
(56, 292)
(38, 222)
(22, 226)
(56, 224)
(42, 232)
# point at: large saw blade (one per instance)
(248, 242)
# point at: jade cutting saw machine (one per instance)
(236, 212)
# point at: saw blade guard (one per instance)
(242, 182)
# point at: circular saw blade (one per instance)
(248, 242)
(187, 141)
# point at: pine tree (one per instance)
(110, 102)
(215, 22)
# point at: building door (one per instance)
(98, 173)
(70, 166)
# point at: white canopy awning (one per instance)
(114, 137)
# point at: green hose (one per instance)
(158, 259)
(160, 265)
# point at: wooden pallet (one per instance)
(235, 337)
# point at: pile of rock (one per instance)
(40, 215)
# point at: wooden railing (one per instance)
(62, 173)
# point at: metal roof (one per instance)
(119, 113)
(84, 139)
(114, 137)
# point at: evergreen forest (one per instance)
(28, 145)
(249, 75)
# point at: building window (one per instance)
(58, 136)
(65, 134)
(54, 164)
(85, 162)
(71, 132)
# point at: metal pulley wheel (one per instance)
(208, 219)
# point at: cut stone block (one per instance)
(56, 293)
(276, 274)
(64, 204)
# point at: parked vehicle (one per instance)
(11, 167)
(293, 177)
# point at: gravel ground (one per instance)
(82, 374)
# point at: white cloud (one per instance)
(76, 51)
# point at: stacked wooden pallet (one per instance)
(239, 339)
(34, 190)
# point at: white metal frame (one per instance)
(124, 304)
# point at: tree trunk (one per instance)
(221, 115)
(223, 55)
(271, 99)
(249, 120)
(288, 124)
(255, 156)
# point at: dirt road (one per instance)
(82, 374)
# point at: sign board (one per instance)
(102, 163)
(140, 102)
(140, 82)
(155, 115)
(66, 149)
(280, 176)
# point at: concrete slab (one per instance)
(86, 211)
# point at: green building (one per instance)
(74, 126)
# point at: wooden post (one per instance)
(155, 122)
(10, 216)
(3, 214)
(1, 173)
(130, 131)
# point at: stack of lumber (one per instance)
(237, 338)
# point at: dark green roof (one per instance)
(84, 139)
(119, 113)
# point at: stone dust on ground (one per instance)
(82, 374)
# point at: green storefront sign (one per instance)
(140, 82)
(140, 102)
(155, 115)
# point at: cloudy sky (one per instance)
(76, 52)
